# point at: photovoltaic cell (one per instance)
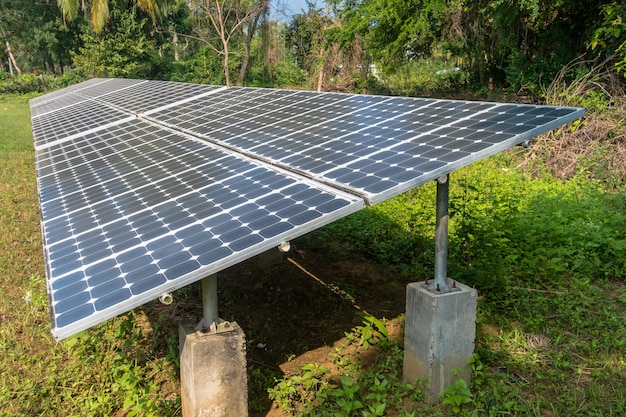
(147, 186)
(130, 212)
(144, 96)
(375, 146)
(73, 120)
(57, 99)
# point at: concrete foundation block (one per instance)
(439, 335)
(213, 372)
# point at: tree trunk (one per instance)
(244, 65)
(226, 69)
(320, 78)
(12, 60)
(175, 43)
(252, 27)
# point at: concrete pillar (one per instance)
(439, 335)
(213, 371)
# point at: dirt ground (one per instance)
(296, 310)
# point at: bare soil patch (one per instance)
(296, 312)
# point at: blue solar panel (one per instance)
(375, 146)
(148, 186)
(132, 211)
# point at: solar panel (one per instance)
(377, 147)
(70, 121)
(132, 211)
(148, 186)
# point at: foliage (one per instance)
(29, 83)
(128, 384)
(100, 11)
(287, 74)
(299, 389)
(125, 50)
(38, 37)
(374, 391)
(610, 36)
(519, 44)
(227, 26)
(395, 31)
(457, 395)
(425, 77)
(401, 47)
(305, 34)
(20, 84)
(372, 331)
(203, 68)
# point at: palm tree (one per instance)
(99, 10)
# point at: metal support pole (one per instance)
(209, 303)
(440, 283)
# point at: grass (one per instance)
(121, 365)
(548, 258)
(15, 133)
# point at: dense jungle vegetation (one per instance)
(405, 47)
(540, 232)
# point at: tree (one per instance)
(393, 31)
(38, 40)
(125, 51)
(522, 42)
(248, 31)
(99, 10)
(609, 39)
(11, 20)
(217, 23)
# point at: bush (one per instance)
(21, 84)
(288, 74)
(421, 76)
(30, 83)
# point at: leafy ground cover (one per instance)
(324, 328)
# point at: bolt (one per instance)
(438, 289)
(426, 282)
(453, 284)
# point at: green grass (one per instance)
(548, 259)
(124, 364)
(15, 133)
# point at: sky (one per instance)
(291, 8)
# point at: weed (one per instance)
(372, 331)
(457, 395)
(300, 391)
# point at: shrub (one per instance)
(21, 84)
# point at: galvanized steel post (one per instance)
(210, 317)
(440, 282)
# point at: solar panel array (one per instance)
(148, 186)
